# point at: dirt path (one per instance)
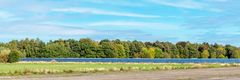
(190, 74)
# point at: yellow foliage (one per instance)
(4, 55)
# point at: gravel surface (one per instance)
(232, 73)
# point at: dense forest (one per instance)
(87, 48)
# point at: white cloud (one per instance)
(2, 36)
(103, 12)
(216, 10)
(117, 2)
(154, 25)
(189, 4)
(220, 0)
(39, 29)
(180, 3)
(121, 25)
(7, 16)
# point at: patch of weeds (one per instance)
(68, 71)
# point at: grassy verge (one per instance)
(59, 68)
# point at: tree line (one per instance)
(88, 48)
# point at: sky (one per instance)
(213, 21)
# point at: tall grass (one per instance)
(55, 68)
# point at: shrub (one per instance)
(4, 55)
(14, 56)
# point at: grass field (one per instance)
(61, 68)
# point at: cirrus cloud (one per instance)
(103, 12)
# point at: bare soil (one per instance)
(230, 73)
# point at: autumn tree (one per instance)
(148, 53)
(236, 53)
(220, 51)
(205, 54)
(4, 52)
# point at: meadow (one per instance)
(35, 68)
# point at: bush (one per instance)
(4, 55)
(14, 56)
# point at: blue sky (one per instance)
(146, 20)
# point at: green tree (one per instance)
(135, 48)
(205, 54)
(14, 56)
(145, 53)
(212, 52)
(109, 50)
(213, 55)
(220, 52)
(183, 49)
(88, 48)
(230, 51)
(159, 53)
(236, 53)
(120, 50)
(56, 50)
(126, 49)
(221, 56)
(193, 51)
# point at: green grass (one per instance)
(59, 68)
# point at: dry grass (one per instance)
(29, 68)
